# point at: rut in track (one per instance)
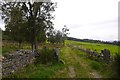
(76, 67)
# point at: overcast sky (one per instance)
(92, 19)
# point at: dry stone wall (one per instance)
(15, 61)
(105, 54)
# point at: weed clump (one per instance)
(96, 65)
(117, 64)
(47, 56)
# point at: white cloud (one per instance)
(94, 19)
(89, 18)
(2, 25)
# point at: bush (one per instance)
(45, 56)
(96, 65)
(117, 64)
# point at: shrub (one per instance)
(95, 65)
(117, 64)
(45, 56)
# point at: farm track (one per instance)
(95, 74)
(77, 67)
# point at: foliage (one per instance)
(117, 64)
(57, 36)
(65, 33)
(45, 56)
(28, 21)
(0, 34)
(96, 65)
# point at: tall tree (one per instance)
(65, 33)
(36, 18)
(14, 22)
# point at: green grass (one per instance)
(113, 48)
(6, 50)
(76, 63)
(37, 71)
(8, 47)
(72, 57)
(82, 65)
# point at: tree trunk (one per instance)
(32, 45)
(34, 36)
(20, 44)
(34, 41)
(36, 47)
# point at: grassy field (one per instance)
(77, 65)
(113, 48)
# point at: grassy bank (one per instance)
(113, 48)
(77, 65)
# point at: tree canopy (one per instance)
(27, 21)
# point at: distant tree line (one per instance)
(57, 36)
(94, 41)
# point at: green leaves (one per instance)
(27, 21)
